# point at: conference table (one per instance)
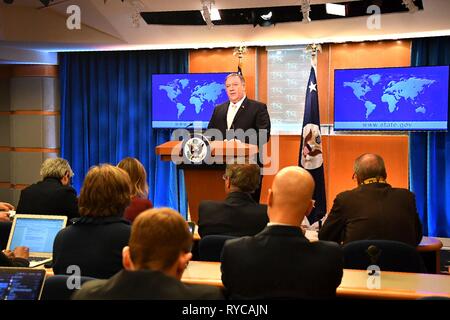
(393, 285)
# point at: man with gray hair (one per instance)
(373, 210)
(239, 215)
(53, 195)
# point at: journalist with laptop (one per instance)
(32, 237)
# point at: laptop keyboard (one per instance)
(37, 258)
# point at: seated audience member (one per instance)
(95, 240)
(16, 258)
(53, 195)
(239, 214)
(139, 188)
(4, 211)
(154, 261)
(373, 210)
(280, 262)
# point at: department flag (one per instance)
(310, 155)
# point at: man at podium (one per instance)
(240, 113)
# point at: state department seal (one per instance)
(196, 149)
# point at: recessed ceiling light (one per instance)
(335, 9)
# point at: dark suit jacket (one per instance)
(239, 215)
(251, 114)
(144, 284)
(49, 197)
(373, 211)
(16, 262)
(280, 262)
(94, 244)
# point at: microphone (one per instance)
(374, 253)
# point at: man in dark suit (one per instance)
(240, 113)
(154, 262)
(53, 195)
(280, 262)
(242, 119)
(239, 215)
(373, 210)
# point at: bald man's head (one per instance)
(369, 165)
(290, 197)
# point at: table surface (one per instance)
(393, 285)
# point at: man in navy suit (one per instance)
(239, 215)
(279, 262)
(240, 113)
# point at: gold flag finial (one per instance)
(239, 52)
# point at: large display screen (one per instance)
(383, 99)
(186, 100)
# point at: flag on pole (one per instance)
(310, 155)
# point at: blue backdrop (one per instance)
(430, 152)
(106, 115)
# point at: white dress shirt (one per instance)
(232, 110)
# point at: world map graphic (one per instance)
(396, 94)
(192, 97)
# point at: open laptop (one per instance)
(36, 232)
(21, 283)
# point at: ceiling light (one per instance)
(209, 12)
(306, 8)
(410, 5)
(335, 9)
(215, 15)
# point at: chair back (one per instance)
(210, 247)
(61, 287)
(387, 255)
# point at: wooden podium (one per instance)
(204, 182)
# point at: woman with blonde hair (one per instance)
(139, 187)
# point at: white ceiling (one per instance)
(26, 24)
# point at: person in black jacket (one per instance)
(239, 215)
(16, 258)
(154, 262)
(279, 262)
(95, 240)
(373, 210)
(53, 195)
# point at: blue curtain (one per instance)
(430, 152)
(106, 115)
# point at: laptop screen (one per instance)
(21, 284)
(37, 234)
